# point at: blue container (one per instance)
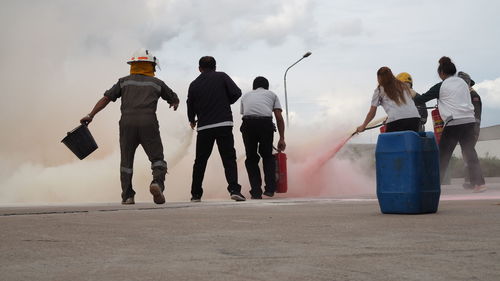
(407, 173)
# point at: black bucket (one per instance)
(80, 141)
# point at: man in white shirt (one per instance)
(257, 108)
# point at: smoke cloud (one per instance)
(58, 57)
(97, 180)
(490, 92)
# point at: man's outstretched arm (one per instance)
(100, 105)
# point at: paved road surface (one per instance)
(281, 239)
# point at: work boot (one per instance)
(128, 201)
(157, 193)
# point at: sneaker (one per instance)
(256, 197)
(195, 199)
(479, 189)
(238, 197)
(467, 185)
(269, 193)
(155, 190)
(128, 201)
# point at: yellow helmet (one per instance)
(405, 77)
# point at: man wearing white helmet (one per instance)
(140, 92)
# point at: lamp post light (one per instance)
(284, 79)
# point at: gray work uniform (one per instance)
(139, 125)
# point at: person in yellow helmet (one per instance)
(139, 93)
(405, 77)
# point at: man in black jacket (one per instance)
(209, 99)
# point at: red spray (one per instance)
(329, 154)
(309, 178)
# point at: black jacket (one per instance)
(422, 110)
(210, 97)
(478, 105)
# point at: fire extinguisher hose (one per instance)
(372, 125)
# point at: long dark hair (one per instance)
(394, 88)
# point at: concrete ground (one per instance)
(279, 239)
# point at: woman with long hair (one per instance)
(456, 109)
(394, 96)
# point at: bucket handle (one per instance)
(86, 124)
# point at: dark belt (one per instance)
(256, 117)
(138, 112)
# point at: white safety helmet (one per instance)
(144, 55)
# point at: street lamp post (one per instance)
(284, 79)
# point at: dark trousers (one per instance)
(258, 139)
(143, 130)
(407, 124)
(463, 134)
(204, 145)
(477, 130)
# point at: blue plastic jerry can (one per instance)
(407, 166)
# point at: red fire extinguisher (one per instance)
(281, 175)
(438, 124)
(383, 126)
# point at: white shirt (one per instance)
(259, 102)
(454, 100)
(393, 110)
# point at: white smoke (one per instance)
(489, 90)
(97, 179)
(58, 57)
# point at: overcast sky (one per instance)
(58, 57)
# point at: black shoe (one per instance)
(128, 201)
(195, 199)
(268, 193)
(467, 185)
(256, 197)
(238, 197)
